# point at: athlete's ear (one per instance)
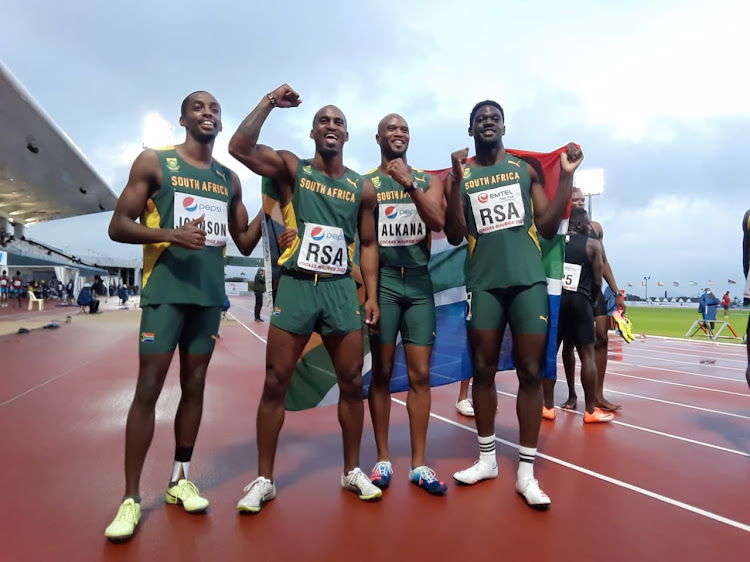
(182, 121)
(471, 133)
(502, 130)
(377, 138)
(347, 136)
(311, 133)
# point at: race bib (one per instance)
(498, 208)
(16, 283)
(189, 207)
(323, 249)
(400, 225)
(3, 282)
(571, 276)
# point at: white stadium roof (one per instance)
(43, 174)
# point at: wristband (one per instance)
(272, 99)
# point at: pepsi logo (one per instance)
(317, 233)
(190, 204)
(390, 212)
(483, 198)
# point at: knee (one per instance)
(276, 383)
(351, 387)
(193, 386)
(602, 338)
(419, 379)
(381, 377)
(146, 394)
(529, 375)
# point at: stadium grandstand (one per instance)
(44, 176)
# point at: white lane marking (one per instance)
(616, 482)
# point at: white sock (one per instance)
(526, 463)
(176, 470)
(487, 449)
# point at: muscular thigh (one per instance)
(160, 329)
(528, 310)
(577, 319)
(201, 329)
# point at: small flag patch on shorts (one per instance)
(147, 337)
(277, 311)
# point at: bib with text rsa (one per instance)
(323, 249)
(498, 208)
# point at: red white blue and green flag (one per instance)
(314, 380)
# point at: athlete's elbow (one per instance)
(239, 148)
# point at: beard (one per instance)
(391, 153)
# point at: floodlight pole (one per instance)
(646, 280)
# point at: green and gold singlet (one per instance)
(503, 242)
(176, 275)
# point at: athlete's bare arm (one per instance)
(368, 251)
(144, 181)
(548, 214)
(429, 203)
(455, 221)
(247, 237)
(595, 251)
(281, 165)
(607, 273)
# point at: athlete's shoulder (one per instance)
(746, 222)
(374, 172)
(515, 161)
(163, 148)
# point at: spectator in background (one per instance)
(725, 302)
(86, 298)
(707, 306)
(259, 287)
(17, 287)
(70, 288)
(122, 293)
(4, 289)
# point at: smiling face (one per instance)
(329, 131)
(201, 117)
(393, 136)
(488, 126)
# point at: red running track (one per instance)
(666, 481)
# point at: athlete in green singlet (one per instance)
(490, 205)
(188, 204)
(410, 205)
(330, 205)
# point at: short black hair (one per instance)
(186, 101)
(483, 103)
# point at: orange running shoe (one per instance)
(598, 416)
(549, 413)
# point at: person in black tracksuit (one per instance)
(582, 286)
(259, 287)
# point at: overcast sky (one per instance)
(656, 93)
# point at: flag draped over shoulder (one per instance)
(314, 380)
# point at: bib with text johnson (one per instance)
(498, 208)
(189, 207)
(323, 249)
(399, 224)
